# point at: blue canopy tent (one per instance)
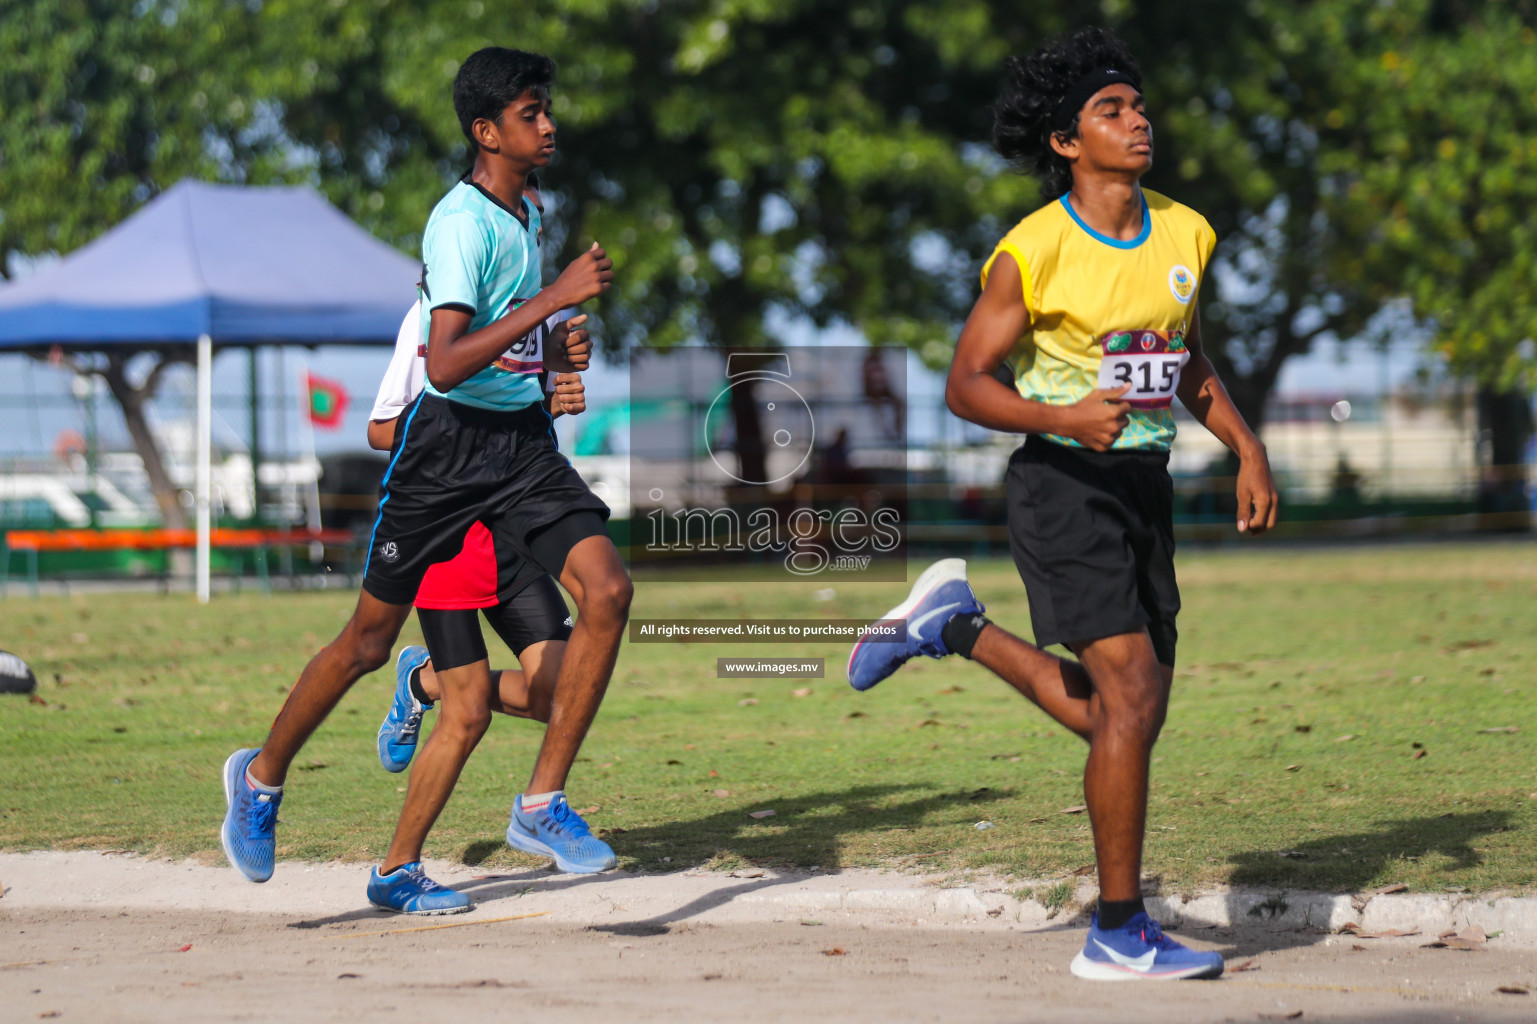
(209, 266)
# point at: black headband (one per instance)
(1063, 113)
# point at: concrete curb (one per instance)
(82, 880)
(1511, 916)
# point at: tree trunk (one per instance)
(750, 448)
(132, 400)
(1504, 431)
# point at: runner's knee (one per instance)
(369, 652)
(1135, 712)
(609, 596)
(464, 723)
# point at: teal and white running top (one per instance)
(478, 255)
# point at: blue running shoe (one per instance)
(938, 595)
(408, 890)
(250, 820)
(1137, 950)
(398, 733)
(559, 832)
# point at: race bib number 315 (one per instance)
(1150, 361)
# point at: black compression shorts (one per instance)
(533, 615)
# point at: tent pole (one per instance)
(256, 443)
(204, 460)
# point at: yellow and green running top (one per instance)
(1105, 312)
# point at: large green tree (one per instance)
(830, 162)
(737, 157)
(749, 163)
(102, 105)
(1434, 190)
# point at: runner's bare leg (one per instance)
(362, 646)
(595, 577)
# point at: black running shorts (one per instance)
(1093, 536)
(453, 464)
(533, 615)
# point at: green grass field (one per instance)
(1341, 719)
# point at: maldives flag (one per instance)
(328, 401)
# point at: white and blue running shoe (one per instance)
(560, 833)
(403, 724)
(1139, 950)
(408, 890)
(939, 594)
(250, 820)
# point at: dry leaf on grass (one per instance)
(804, 691)
(747, 702)
(1346, 738)
(722, 793)
(760, 814)
(1503, 728)
(1079, 809)
(1389, 889)
(1419, 754)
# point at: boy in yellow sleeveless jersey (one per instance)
(1092, 298)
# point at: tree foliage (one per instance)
(753, 163)
(1435, 195)
(104, 103)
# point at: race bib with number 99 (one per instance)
(1150, 361)
(526, 355)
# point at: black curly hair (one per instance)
(1026, 117)
(493, 77)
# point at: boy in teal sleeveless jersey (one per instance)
(476, 446)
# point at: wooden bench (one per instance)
(255, 540)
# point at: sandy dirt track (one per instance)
(88, 937)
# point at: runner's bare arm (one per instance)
(455, 353)
(1201, 391)
(997, 321)
(381, 434)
